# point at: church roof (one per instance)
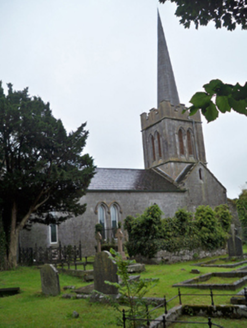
(185, 173)
(107, 179)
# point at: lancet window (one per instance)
(153, 148)
(114, 216)
(102, 218)
(157, 135)
(181, 142)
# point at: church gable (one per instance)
(202, 186)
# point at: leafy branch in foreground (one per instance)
(131, 291)
(227, 13)
(219, 97)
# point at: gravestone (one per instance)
(49, 280)
(234, 244)
(136, 267)
(119, 236)
(105, 269)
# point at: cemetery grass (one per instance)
(178, 272)
(32, 309)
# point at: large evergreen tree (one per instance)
(42, 167)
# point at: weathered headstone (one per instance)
(105, 269)
(234, 244)
(49, 280)
(119, 236)
(98, 238)
(136, 267)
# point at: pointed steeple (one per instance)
(167, 89)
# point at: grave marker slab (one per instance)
(105, 269)
(234, 244)
(49, 280)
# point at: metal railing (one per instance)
(147, 320)
(165, 321)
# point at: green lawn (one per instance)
(32, 309)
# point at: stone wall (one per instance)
(82, 228)
(181, 256)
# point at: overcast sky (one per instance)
(95, 61)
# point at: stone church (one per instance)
(175, 175)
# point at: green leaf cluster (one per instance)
(180, 232)
(219, 97)
(226, 13)
(242, 211)
(209, 228)
(223, 216)
(131, 292)
(242, 207)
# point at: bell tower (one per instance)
(171, 140)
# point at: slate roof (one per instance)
(184, 173)
(131, 180)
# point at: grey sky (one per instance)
(95, 61)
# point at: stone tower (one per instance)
(171, 140)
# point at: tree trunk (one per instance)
(3, 249)
(13, 243)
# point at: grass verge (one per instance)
(32, 309)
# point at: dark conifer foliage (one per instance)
(42, 167)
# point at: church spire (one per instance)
(167, 89)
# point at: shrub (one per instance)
(145, 232)
(242, 212)
(210, 231)
(180, 232)
(98, 228)
(224, 216)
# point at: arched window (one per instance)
(102, 218)
(153, 147)
(114, 216)
(159, 145)
(181, 142)
(189, 142)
